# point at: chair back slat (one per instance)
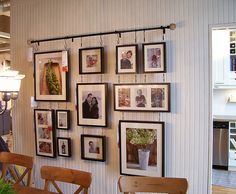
(77, 177)
(9, 160)
(153, 184)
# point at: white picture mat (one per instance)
(38, 128)
(98, 66)
(151, 171)
(133, 94)
(133, 59)
(150, 69)
(40, 60)
(90, 88)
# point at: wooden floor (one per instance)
(222, 190)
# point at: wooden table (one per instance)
(30, 190)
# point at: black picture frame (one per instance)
(64, 146)
(89, 152)
(127, 59)
(154, 57)
(97, 115)
(154, 97)
(44, 133)
(144, 157)
(59, 63)
(91, 60)
(63, 119)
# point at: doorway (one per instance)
(222, 120)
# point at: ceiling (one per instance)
(4, 25)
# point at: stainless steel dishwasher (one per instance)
(220, 144)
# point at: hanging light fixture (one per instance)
(9, 85)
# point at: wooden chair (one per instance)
(52, 174)
(9, 160)
(128, 184)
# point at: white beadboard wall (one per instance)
(188, 71)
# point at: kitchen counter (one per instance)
(224, 117)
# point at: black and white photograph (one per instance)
(93, 147)
(126, 59)
(63, 119)
(64, 146)
(91, 99)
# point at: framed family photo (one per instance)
(142, 97)
(50, 76)
(93, 147)
(126, 58)
(91, 60)
(154, 57)
(44, 132)
(142, 148)
(63, 119)
(91, 104)
(64, 146)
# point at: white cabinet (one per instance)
(223, 58)
(232, 145)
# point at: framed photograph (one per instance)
(142, 97)
(142, 148)
(93, 147)
(126, 58)
(63, 119)
(44, 132)
(64, 146)
(50, 76)
(91, 60)
(154, 57)
(91, 104)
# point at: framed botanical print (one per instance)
(142, 148)
(63, 119)
(91, 104)
(93, 147)
(126, 58)
(50, 76)
(64, 146)
(142, 97)
(91, 60)
(154, 57)
(44, 132)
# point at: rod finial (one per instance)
(172, 26)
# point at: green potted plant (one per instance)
(6, 188)
(142, 138)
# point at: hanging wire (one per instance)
(81, 42)
(101, 41)
(118, 78)
(135, 78)
(118, 38)
(135, 36)
(144, 36)
(35, 47)
(163, 38)
(65, 45)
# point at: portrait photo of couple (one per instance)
(90, 106)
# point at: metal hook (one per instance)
(101, 41)
(65, 45)
(163, 32)
(118, 38)
(144, 36)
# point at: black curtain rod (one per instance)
(119, 32)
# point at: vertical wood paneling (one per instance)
(187, 130)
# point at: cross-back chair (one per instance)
(132, 184)
(52, 174)
(9, 161)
